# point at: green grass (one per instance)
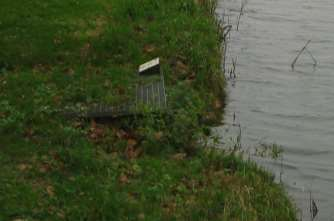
(208, 187)
(76, 53)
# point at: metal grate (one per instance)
(150, 94)
(153, 95)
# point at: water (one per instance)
(274, 104)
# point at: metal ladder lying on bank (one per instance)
(150, 95)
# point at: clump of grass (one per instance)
(59, 54)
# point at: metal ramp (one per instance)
(150, 95)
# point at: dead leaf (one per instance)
(51, 209)
(96, 132)
(149, 48)
(99, 27)
(50, 190)
(93, 124)
(139, 29)
(61, 214)
(107, 84)
(210, 116)
(181, 67)
(131, 151)
(44, 158)
(121, 134)
(93, 136)
(57, 99)
(69, 71)
(23, 167)
(77, 124)
(41, 68)
(44, 168)
(170, 207)
(84, 51)
(121, 90)
(55, 156)
(99, 132)
(190, 201)
(220, 173)
(218, 104)
(132, 197)
(158, 135)
(123, 179)
(141, 216)
(179, 156)
(132, 143)
(227, 180)
(29, 133)
(57, 41)
(192, 76)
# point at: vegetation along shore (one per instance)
(57, 55)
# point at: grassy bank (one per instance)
(56, 54)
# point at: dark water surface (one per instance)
(274, 104)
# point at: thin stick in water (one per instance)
(300, 52)
(314, 60)
(240, 14)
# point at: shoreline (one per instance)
(146, 168)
